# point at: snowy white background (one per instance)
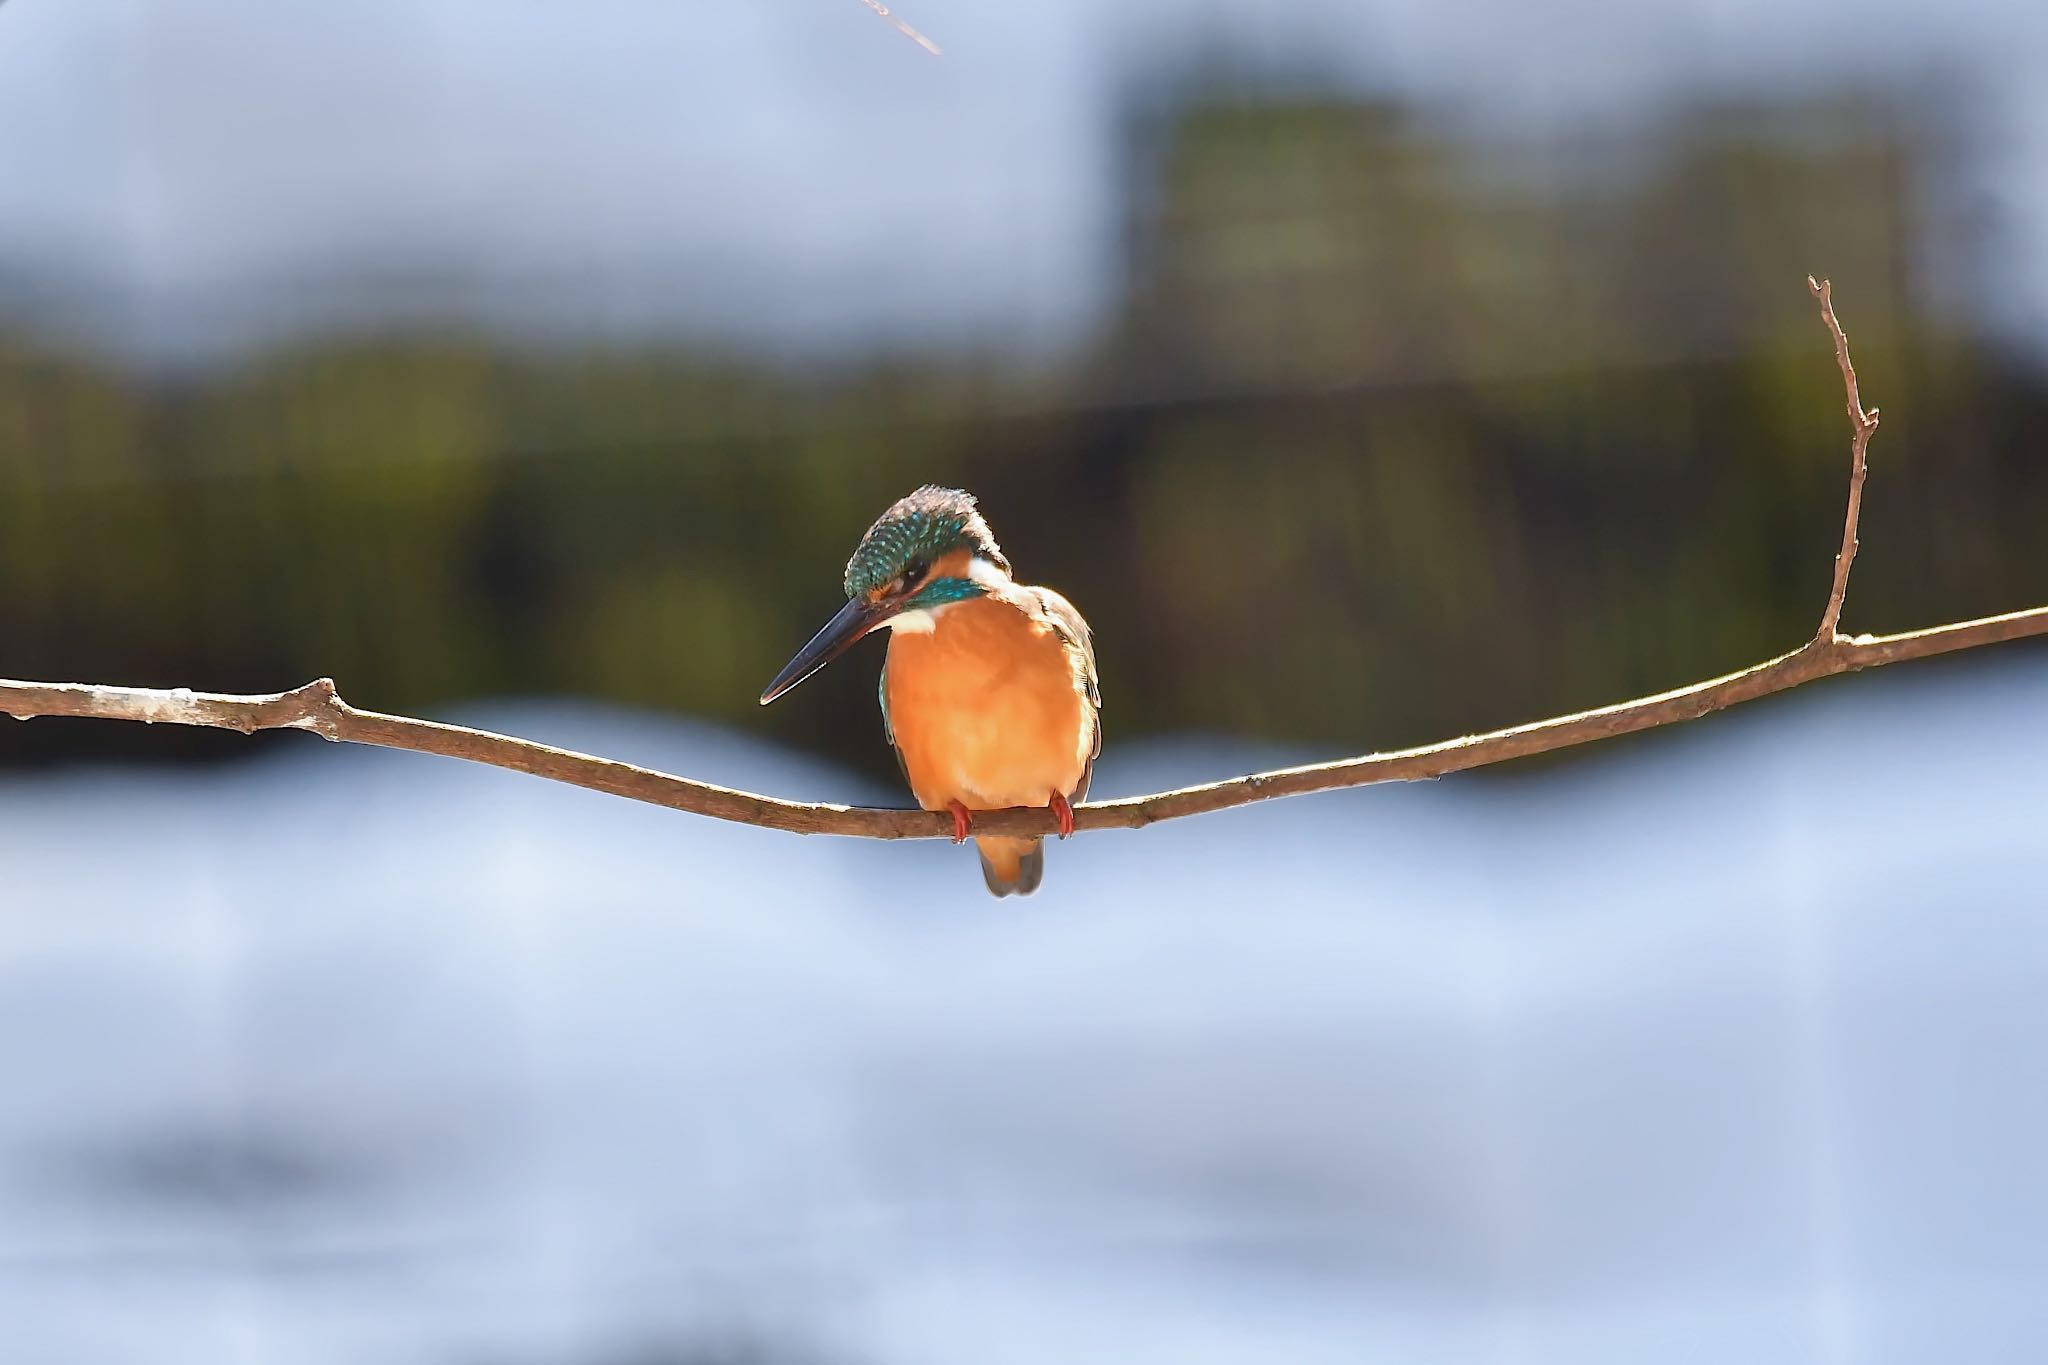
(1726, 1045)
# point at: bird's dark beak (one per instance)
(854, 620)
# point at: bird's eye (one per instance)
(914, 572)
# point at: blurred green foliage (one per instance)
(1396, 433)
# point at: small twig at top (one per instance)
(894, 22)
(1862, 424)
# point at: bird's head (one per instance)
(929, 550)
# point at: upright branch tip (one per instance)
(1862, 423)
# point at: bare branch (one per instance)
(316, 707)
(1861, 425)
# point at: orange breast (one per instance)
(987, 709)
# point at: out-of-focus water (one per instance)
(1724, 1046)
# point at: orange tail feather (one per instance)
(1011, 866)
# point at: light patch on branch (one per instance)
(318, 708)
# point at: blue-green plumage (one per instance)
(942, 591)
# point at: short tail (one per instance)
(1012, 866)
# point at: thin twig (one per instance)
(1861, 424)
(316, 707)
(905, 29)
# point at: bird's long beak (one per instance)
(854, 620)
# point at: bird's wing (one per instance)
(1073, 630)
(888, 728)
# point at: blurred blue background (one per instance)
(1367, 374)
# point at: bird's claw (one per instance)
(1063, 814)
(962, 821)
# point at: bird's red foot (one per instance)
(1063, 813)
(961, 821)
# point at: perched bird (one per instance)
(989, 691)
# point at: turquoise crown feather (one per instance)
(925, 524)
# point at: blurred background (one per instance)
(1367, 373)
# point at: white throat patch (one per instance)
(986, 573)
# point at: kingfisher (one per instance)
(988, 692)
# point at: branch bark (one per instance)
(317, 707)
